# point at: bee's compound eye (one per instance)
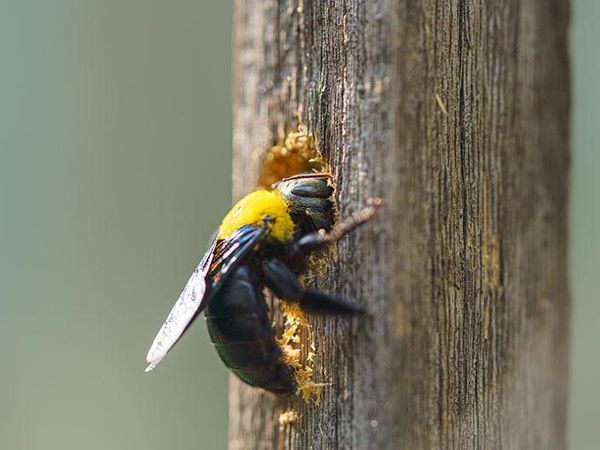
(313, 188)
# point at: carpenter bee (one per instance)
(264, 241)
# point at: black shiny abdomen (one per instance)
(240, 328)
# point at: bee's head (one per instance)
(308, 197)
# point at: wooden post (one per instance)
(457, 113)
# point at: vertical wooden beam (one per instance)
(457, 113)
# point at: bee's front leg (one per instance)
(321, 239)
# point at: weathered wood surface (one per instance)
(457, 113)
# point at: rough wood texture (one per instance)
(457, 113)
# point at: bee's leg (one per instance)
(321, 239)
(282, 280)
(297, 252)
(319, 302)
(284, 283)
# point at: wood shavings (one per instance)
(287, 418)
(291, 346)
(440, 103)
(295, 153)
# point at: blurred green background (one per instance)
(115, 143)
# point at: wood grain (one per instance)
(457, 114)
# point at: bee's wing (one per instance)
(220, 260)
(229, 252)
(183, 313)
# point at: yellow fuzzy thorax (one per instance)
(252, 210)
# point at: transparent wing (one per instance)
(219, 262)
(184, 311)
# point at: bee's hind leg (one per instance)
(284, 283)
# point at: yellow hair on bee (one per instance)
(252, 210)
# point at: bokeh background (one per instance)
(115, 148)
